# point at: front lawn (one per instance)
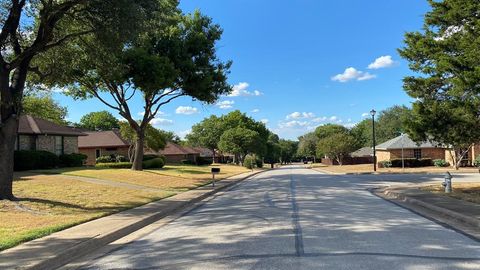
(463, 191)
(51, 200)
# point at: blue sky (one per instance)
(299, 64)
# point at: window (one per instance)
(111, 149)
(97, 153)
(417, 153)
(58, 145)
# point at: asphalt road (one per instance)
(294, 218)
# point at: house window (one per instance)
(97, 153)
(417, 153)
(58, 145)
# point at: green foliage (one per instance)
(72, 160)
(102, 120)
(150, 157)
(249, 162)
(44, 107)
(154, 138)
(476, 163)
(307, 145)
(259, 162)
(273, 149)
(188, 162)
(440, 163)
(114, 165)
(105, 159)
(386, 164)
(328, 130)
(337, 146)
(34, 160)
(444, 58)
(206, 133)
(412, 162)
(155, 163)
(204, 161)
(240, 141)
(288, 150)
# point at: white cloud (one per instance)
(161, 122)
(299, 115)
(241, 90)
(255, 110)
(294, 124)
(320, 119)
(186, 110)
(365, 114)
(333, 119)
(353, 74)
(143, 113)
(265, 121)
(184, 133)
(226, 104)
(382, 62)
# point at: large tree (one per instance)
(288, 150)
(307, 145)
(30, 28)
(207, 133)
(102, 120)
(273, 150)
(447, 93)
(173, 55)
(155, 139)
(337, 146)
(45, 107)
(240, 141)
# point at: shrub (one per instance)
(149, 157)
(476, 162)
(440, 163)
(105, 159)
(120, 158)
(72, 160)
(155, 163)
(204, 161)
(259, 163)
(412, 162)
(188, 162)
(386, 164)
(114, 165)
(33, 160)
(249, 162)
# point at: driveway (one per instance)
(295, 218)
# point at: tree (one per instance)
(155, 139)
(337, 146)
(102, 121)
(445, 57)
(207, 133)
(240, 141)
(33, 28)
(273, 150)
(329, 129)
(45, 107)
(171, 136)
(288, 150)
(172, 56)
(307, 145)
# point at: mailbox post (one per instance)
(214, 172)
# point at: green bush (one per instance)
(155, 163)
(150, 157)
(412, 162)
(114, 165)
(120, 158)
(72, 160)
(204, 161)
(188, 162)
(259, 163)
(34, 160)
(105, 159)
(386, 164)
(440, 163)
(249, 162)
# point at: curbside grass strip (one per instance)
(391, 193)
(13, 258)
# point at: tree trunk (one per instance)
(8, 134)
(213, 151)
(138, 159)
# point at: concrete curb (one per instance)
(89, 245)
(391, 193)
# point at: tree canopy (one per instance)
(101, 121)
(45, 107)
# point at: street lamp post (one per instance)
(373, 112)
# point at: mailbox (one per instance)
(215, 170)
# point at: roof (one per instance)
(175, 149)
(102, 139)
(363, 152)
(36, 126)
(204, 152)
(404, 141)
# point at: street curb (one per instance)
(388, 194)
(92, 244)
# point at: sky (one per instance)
(298, 64)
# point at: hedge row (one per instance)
(412, 162)
(114, 165)
(36, 160)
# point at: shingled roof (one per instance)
(31, 125)
(102, 139)
(404, 141)
(175, 149)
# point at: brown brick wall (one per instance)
(382, 155)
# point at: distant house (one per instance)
(175, 153)
(362, 152)
(102, 143)
(42, 135)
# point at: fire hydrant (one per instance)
(447, 183)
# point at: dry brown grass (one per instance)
(463, 191)
(368, 168)
(48, 204)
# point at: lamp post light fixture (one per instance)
(373, 112)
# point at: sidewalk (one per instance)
(57, 249)
(461, 215)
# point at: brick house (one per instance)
(42, 135)
(175, 153)
(102, 143)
